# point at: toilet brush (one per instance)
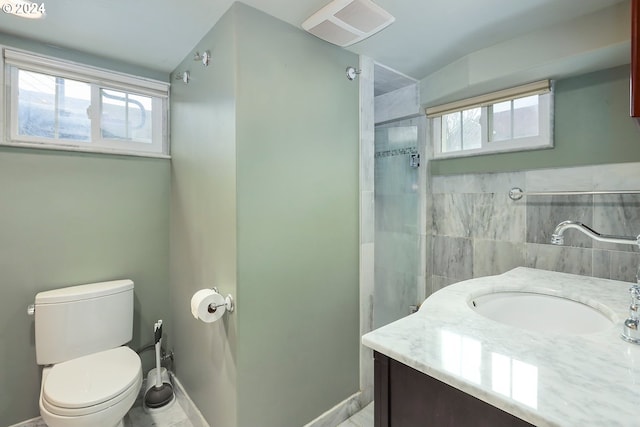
(161, 393)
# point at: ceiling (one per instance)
(158, 34)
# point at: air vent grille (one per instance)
(327, 30)
(344, 22)
(361, 17)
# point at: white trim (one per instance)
(341, 411)
(100, 150)
(75, 71)
(14, 60)
(188, 406)
(541, 141)
(535, 88)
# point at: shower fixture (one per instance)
(185, 77)
(205, 58)
(352, 72)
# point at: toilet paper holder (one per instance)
(229, 304)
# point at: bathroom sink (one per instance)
(541, 312)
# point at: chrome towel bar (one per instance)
(516, 193)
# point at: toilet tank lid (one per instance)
(81, 292)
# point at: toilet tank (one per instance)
(79, 320)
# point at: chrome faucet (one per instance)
(631, 327)
(557, 238)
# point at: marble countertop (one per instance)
(547, 379)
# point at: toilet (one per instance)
(89, 378)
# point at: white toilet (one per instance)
(88, 379)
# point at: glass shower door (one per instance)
(397, 234)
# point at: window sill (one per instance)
(482, 152)
(75, 149)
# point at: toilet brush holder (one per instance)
(159, 390)
(151, 382)
(151, 378)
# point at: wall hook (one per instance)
(205, 58)
(352, 72)
(185, 77)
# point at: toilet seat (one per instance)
(91, 383)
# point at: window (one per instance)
(58, 104)
(510, 120)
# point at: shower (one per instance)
(399, 264)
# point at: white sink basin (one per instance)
(541, 312)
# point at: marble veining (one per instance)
(476, 207)
(617, 215)
(545, 379)
(453, 257)
(544, 213)
(367, 219)
(364, 418)
(493, 257)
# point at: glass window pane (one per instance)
(471, 128)
(139, 123)
(451, 132)
(501, 121)
(53, 107)
(113, 120)
(74, 99)
(525, 117)
(125, 116)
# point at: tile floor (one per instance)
(364, 418)
(176, 417)
(173, 416)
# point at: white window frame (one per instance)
(485, 102)
(98, 78)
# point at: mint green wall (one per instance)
(592, 126)
(265, 206)
(297, 181)
(203, 221)
(71, 218)
(68, 219)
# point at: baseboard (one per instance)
(194, 414)
(342, 411)
(33, 422)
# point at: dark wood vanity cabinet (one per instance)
(635, 58)
(405, 397)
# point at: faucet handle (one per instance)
(634, 308)
(631, 327)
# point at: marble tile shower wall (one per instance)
(477, 230)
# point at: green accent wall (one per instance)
(69, 219)
(203, 221)
(265, 206)
(297, 188)
(592, 126)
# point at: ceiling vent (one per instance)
(344, 22)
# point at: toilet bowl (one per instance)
(95, 390)
(89, 379)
